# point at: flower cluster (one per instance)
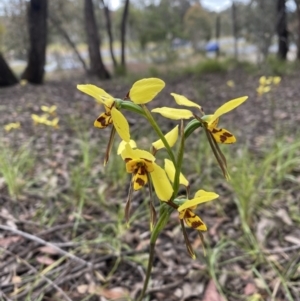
(142, 164)
(44, 118)
(266, 84)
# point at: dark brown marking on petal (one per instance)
(127, 160)
(140, 181)
(189, 214)
(141, 171)
(196, 224)
(227, 134)
(215, 130)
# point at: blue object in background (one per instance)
(212, 47)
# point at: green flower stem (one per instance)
(191, 127)
(130, 106)
(165, 212)
(179, 160)
(159, 133)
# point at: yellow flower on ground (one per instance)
(170, 170)
(263, 89)
(49, 110)
(43, 119)
(12, 126)
(142, 165)
(230, 84)
(186, 210)
(211, 121)
(111, 115)
(144, 90)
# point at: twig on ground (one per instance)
(43, 242)
(52, 284)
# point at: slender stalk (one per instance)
(159, 133)
(148, 273)
(165, 212)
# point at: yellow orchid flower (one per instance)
(263, 89)
(211, 121)
(186, 210)
(142, 165)
(171, 138)
(12, 126)
(49, 110)
(144, 90)
(112, 115)
(43, 119)
(53, 123)
(170, 170)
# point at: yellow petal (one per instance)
(228, 106)
(205, 197)
(175, 114)
(170, 170)
(123, 144)
(99, 94)
(223, 136)
(145, 90)
(103, 120)
(128, 152)
(183, 101)
(161, 183)
(120, 123)
(171, 138)
(139, 180)
(193, 220)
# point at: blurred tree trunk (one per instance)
(109, 32)
(7, 78)
(37, 25)
(282, 32)
(234, 29)
(64, 33)
(93, 39)
(123, 35)
(297, 2)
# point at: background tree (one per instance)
(197, 25)
(7, 78)
(281, 28)
(93, 39)
(123, 35)
(109, 33)
(37, 25)
(260, 17)
(297, 2)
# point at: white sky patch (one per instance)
(214, 5)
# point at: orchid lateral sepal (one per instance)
(189, 247)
